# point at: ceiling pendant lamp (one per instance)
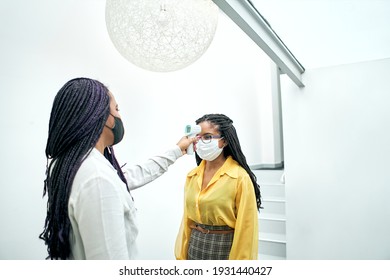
(161, 35)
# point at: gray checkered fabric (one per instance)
(211, 246)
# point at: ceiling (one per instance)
(330, 32)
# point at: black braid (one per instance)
(110, 155)
(79, 113)
(225, 126)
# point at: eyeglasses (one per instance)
(208, 137)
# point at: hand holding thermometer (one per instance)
(191, 131)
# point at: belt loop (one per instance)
(208, 231)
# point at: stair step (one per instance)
(272, 190)
(272, 237)
(274, 217)
(273, 207)
(272, 248)
(272, 226)
(268, 176)
(274, 199)
(269, 257)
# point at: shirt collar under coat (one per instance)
(229, 167)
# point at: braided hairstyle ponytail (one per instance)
(225, 126)
(79, 113)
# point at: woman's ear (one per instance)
(110, 122)
(224, 143)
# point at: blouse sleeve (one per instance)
(245, 242)
(141, 174)
(99, 214)
(181, 246)
(183, 237)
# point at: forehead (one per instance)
(208, 127)
(112, 99)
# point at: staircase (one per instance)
(272, 219)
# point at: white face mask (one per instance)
(209, 151)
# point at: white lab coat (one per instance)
(101, 210)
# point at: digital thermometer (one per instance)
(191, 131)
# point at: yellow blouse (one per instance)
(229, 199)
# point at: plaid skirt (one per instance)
(210, 246)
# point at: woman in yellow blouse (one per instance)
(222, 198)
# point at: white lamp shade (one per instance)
(161, 35)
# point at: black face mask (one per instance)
(118, 130)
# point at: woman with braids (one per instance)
(222, 198)
(90, 212)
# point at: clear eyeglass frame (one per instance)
(206, 139)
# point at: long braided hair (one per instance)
(79, 113)
(225, 126)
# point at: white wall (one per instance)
(335, 136)
(336, 141)
(330, 32)
(47, 42)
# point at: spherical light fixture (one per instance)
(161, 35)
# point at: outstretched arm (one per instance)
(141, 174)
